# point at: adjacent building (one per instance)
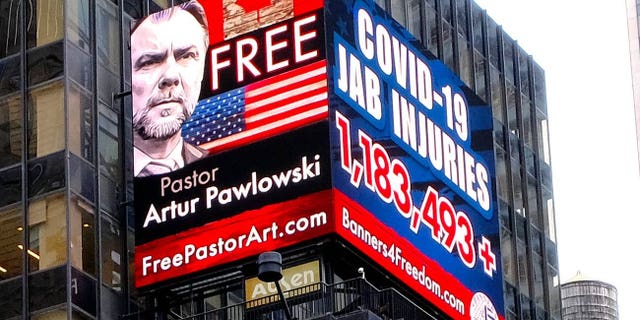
(414, 181)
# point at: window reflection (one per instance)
(46, 174)
(10, 80)
(80, 121)
(45, 63)
(9, 27)
(11, 233)
(112, 259)
(45, 22)
(10, 130)
(10, 185)
(82, 231)
(46, 119)
(47, 232)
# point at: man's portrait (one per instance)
(168, 53)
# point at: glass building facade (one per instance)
(65, 162)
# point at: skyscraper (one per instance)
(66, 175)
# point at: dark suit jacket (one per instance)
(191, 153)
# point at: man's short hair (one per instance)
(193, 7)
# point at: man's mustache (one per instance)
(159, 98)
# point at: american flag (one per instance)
(262, 109)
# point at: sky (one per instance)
(583, 47)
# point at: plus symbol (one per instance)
(487, 257)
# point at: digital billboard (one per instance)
(413, 163)
(231, 155)
(285, 129)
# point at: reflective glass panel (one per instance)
(112, 259)
(82, 232)
(47, 232)
(45, 63)
(10, 130)
(10, 34)
(81, 111)
(78, 23)
(45, 22)
(46, 119)
(11, 233)
(46, 289)
(10, 185)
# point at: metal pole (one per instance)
(284, 301)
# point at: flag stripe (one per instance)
(268, 130)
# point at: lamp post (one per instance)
(270, 270)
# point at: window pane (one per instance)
(78, 23)
(464, 58)
(494, 47)
(80, 71)
(497, 94)
(540, 88)
(10, 185)
(133, 8)
(46, 174)
(45, 63)
(523, 268)
(445, 9)
(480, 76)
(83, 292)
(512, 110)
(10, 130)
(538, 281)
(108, 143)
(523, 62)
(10, 27)
(112, 258)
(414, 21)
(461, 13)
(108, 193)
(447, 45)
(509, 70)
(11, 232)
(82, 177)
(46, 119)
(11, 298)
(527, 133)
(516, 181)
(398, 12)
(532, 201)
(108, 36)
(47, 232)
(553, 286)
(10, 80)
(478, 35)
(83, 230)
(508, 254)
(45, 22)
(80, 120)
(431, 34)
(48, 288)
(502, 176)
